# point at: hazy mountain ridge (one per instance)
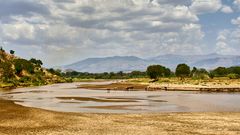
(130, 63)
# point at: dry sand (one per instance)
(15, 119)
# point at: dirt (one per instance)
(115, 86)
(15, 119)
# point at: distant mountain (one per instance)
(109, 64)
(209, 61)
(130, 63)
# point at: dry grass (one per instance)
(219, 81)
(15, 119)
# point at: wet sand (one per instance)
(15, 119)
(114, 86)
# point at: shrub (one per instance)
(233, 76)
(22, 64)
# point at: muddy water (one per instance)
(67, 98)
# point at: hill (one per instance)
(109, 64)
(15, 71)
(130, 63)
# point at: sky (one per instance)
(61, 32)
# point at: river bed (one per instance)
(68, 98)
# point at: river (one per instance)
(68, 98)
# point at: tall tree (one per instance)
(182, 70)
(156, 71)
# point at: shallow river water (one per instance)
(68, 98)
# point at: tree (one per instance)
(12, 52)
(7, 71)
(220, 72)
(182, 71)
(137, 74)
(193, 72)
(234, 70)
(22, 64)
(167, 72)
(57, 72)
(199, 73)
(36, 62)
(155, 71)
(1, 49)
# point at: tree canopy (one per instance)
(182, 70)
(155, 71)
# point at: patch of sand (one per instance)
(15, 119)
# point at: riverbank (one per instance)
(15, 119)
(166, 84)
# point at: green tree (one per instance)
(36, 62)
(193, 72)
(182, 70)
(234, 70)
(22, 64)
(12, 52)
(167, 72)
(220, 72)
(156, 71)
(1, 49)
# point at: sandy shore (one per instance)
(166, 87)
(15, 119)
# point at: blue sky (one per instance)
(60, 32)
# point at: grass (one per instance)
(201, 82)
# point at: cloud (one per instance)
(236, 21)
(66, 31)
(228, 41)
(205, 6)
(237, 3)
(24, 8)
(226, 9)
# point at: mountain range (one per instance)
(130, 63)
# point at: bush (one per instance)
(7, 71)
(24, 79)
(22, 64)
(233, 76)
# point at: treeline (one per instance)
(156, 71)
(105, 75)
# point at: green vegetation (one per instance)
(182, 70)
(156, 71)
(16, 72)
(23, 65)
(111, 75)
(36, 62)
(12, 52)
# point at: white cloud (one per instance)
(75, 30)
(205, 6)
(226, 9)
(236, 21)
(228, 41)
(237, 3)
